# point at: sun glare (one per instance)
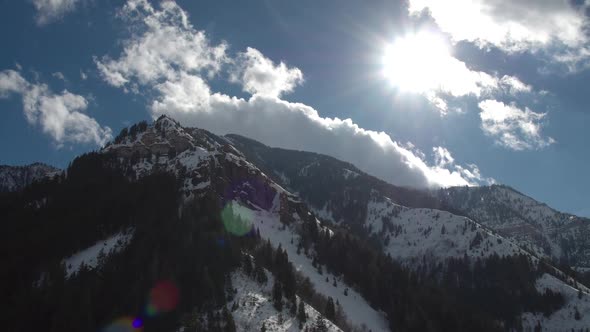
(414, 63)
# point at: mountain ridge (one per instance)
(325, 217)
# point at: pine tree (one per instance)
(320, 325)
(247, 265)
(230, 325)
(259, 273)
(277, 296)
(301, 315)
(330, 310)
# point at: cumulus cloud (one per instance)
(513, 127)
(180, 88)
(512, 26)
(59, 115)
(259, 75)
(51, 10)
(169, 42)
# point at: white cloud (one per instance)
(51, 10)
(513, 26)
(442, 156)
(59, 115)
(422, 63)
(297, 126)
(11, 82)
(444, 162)
(59, 75)
(259, 75)
(513, 127)
(83, 75)
(181, 90)
(514, 86)
(168, 43)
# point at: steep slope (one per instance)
(412, 234)
(15, 178)
(254, 308)
(531, 224)
(207, 164)
(196, 204)
(409, 225)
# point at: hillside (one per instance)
(233, 235)
(531, 224)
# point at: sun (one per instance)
(416, 62)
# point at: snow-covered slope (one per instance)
(254, 308)
(531, 224)
(356, 308)
(414, 234)
(90, 257)
(574, 315)
(14, 178)
(207, 164)
(210, 165)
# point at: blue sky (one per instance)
(432, 98)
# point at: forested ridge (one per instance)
(190, 248)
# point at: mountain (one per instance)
(533, 225)
(177, 229)
(417, 226)
(407, 223)
(14, 178)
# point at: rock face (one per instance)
(531, 224)
(15, 178)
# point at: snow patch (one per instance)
(255, 308)
(90, 256)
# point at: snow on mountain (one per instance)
(15, 178)
(412, 234)
(207, 163)
(91, 256)
(353, 304)
(255, 308)
(531, 224)
(575, 315)
(406, 222)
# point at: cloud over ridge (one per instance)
(179, 85)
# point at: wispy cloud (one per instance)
(513, 127)
(177, 77)
(59, 75)
(444, 162)
(60, 115)
(49, 11)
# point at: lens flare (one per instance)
(137, 323)
(237, 219)
(124, 324)
(163, 298)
